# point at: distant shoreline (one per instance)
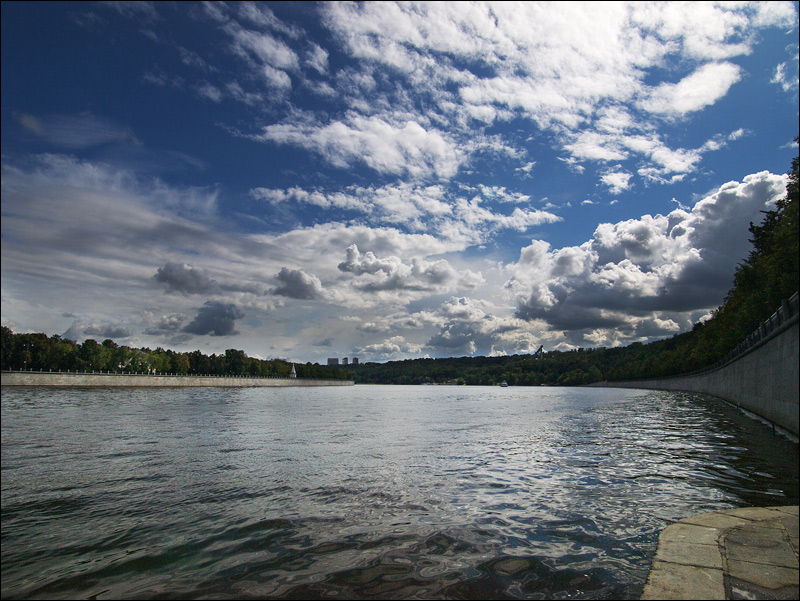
(121, 380)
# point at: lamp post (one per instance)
(28, 345)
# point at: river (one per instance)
(362, 492)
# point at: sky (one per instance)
(386, 180)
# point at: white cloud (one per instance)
(570, 67)
(617, 181)
(210, 92)
(391, 348)
(75, 132)
(788, 81)
(705, 86)
(392, 274)
(433, 209)
(398, 149)
(596, 147)
(265, 48)
(317, 58)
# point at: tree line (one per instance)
(767, 277)
(41, 352)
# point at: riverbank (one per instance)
(119, 380)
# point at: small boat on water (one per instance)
(503, 384)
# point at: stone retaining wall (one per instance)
(35, 378)
(765, 380)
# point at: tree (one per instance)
(93, 356)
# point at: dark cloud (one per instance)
(469, 330)
(296, 283)
(185, 279)
(108, 331)
(682, 262)
(215, 319)
(166, 325)
(566, 315)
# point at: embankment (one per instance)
(35, 378)
(763, 379)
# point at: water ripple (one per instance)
(369, 492)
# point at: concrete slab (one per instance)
(760, 546)
(689, 533)
(674, 581)
(791, 523)
(764, 576)
(689, 554)
(747, 590)
(753, 513)
(755, 549)
(715, 519)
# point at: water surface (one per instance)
(366, 491)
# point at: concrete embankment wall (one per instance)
(763, 381)
(35, 378)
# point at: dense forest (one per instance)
(38, 351)
(767, 277)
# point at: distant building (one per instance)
(293, 373)
(344, 361)
(355, 360)
(333, 361)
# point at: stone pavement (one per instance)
(748, 553)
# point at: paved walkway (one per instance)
(748, 553)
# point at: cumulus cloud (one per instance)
(632, 270)
(389, 348)
(617, 181)
(215, 319)
(298, 284)
(392, 274)
(185, 279)
(467, 328)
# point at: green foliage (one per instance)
(38, 352)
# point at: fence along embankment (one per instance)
(760, 375)
(43, 378)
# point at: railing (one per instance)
(158, 375)
(767, 329)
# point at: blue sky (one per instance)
(309, 180)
